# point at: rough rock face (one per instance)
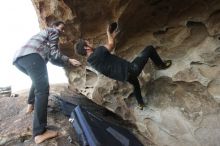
(183, 101)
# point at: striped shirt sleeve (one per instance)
(55, 54)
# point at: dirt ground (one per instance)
(16, 126)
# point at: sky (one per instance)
(18, 23)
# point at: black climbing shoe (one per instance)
(141, 106)
(167, 63)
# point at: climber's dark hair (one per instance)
(57, 23)
(79, 47)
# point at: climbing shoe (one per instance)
(167, 64)
(141, 106)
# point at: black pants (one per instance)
(35, 67)
(137, 66)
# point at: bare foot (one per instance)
(30, 108)
(46, 135)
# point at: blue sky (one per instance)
(18, 23)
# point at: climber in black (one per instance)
(117, 68)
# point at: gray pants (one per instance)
(35, 67)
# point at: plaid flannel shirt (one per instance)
(45, 43)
